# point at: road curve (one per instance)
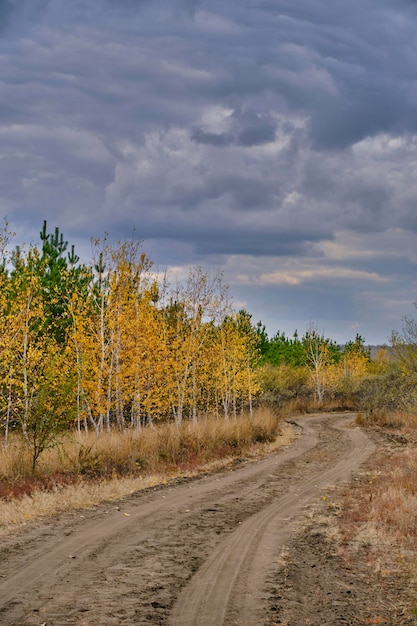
(194, 553)
(227, 588)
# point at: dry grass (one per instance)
(87, 471)
(384, 503)
(373, 520)
(380, 511)
(82, 495)
(378, 514)
(405, 423)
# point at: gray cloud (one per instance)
(261, 129)
(213, 139)
(246, 129)
(6, 8)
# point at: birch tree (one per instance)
(194, 307)
(321, 353)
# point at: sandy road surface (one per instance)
(198, 552)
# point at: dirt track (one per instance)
(200, 552)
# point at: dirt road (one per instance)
(195, 553)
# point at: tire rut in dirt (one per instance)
(132, 561)
(229, 586)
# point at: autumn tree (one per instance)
(105, 345)
(321, 353)
(7, 343)
(137, 353)
(36, 368)
(194, 307)
(281, 383)
(251, 340)
(117, 341)
(229, 359)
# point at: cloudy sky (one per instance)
(274, 139)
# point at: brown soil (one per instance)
(227, 549)
(316, 587)
(328, 576)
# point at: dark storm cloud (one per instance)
(6, 8)
(257, 244)
(247, 129)
(214, 241)
(264, 128)
(120, 70)
(375, 109)
(256, 130)
(213, 139)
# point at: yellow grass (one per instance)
(392, 420)
(393, 507)
(117, 464)
(382, 510)
(380, 514)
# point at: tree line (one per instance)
(313, 365)
(111, 344)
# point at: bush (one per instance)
(386, 393)
(281, 383)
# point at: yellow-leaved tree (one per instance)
(235, 357)
(189, 316)
(38, 382)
